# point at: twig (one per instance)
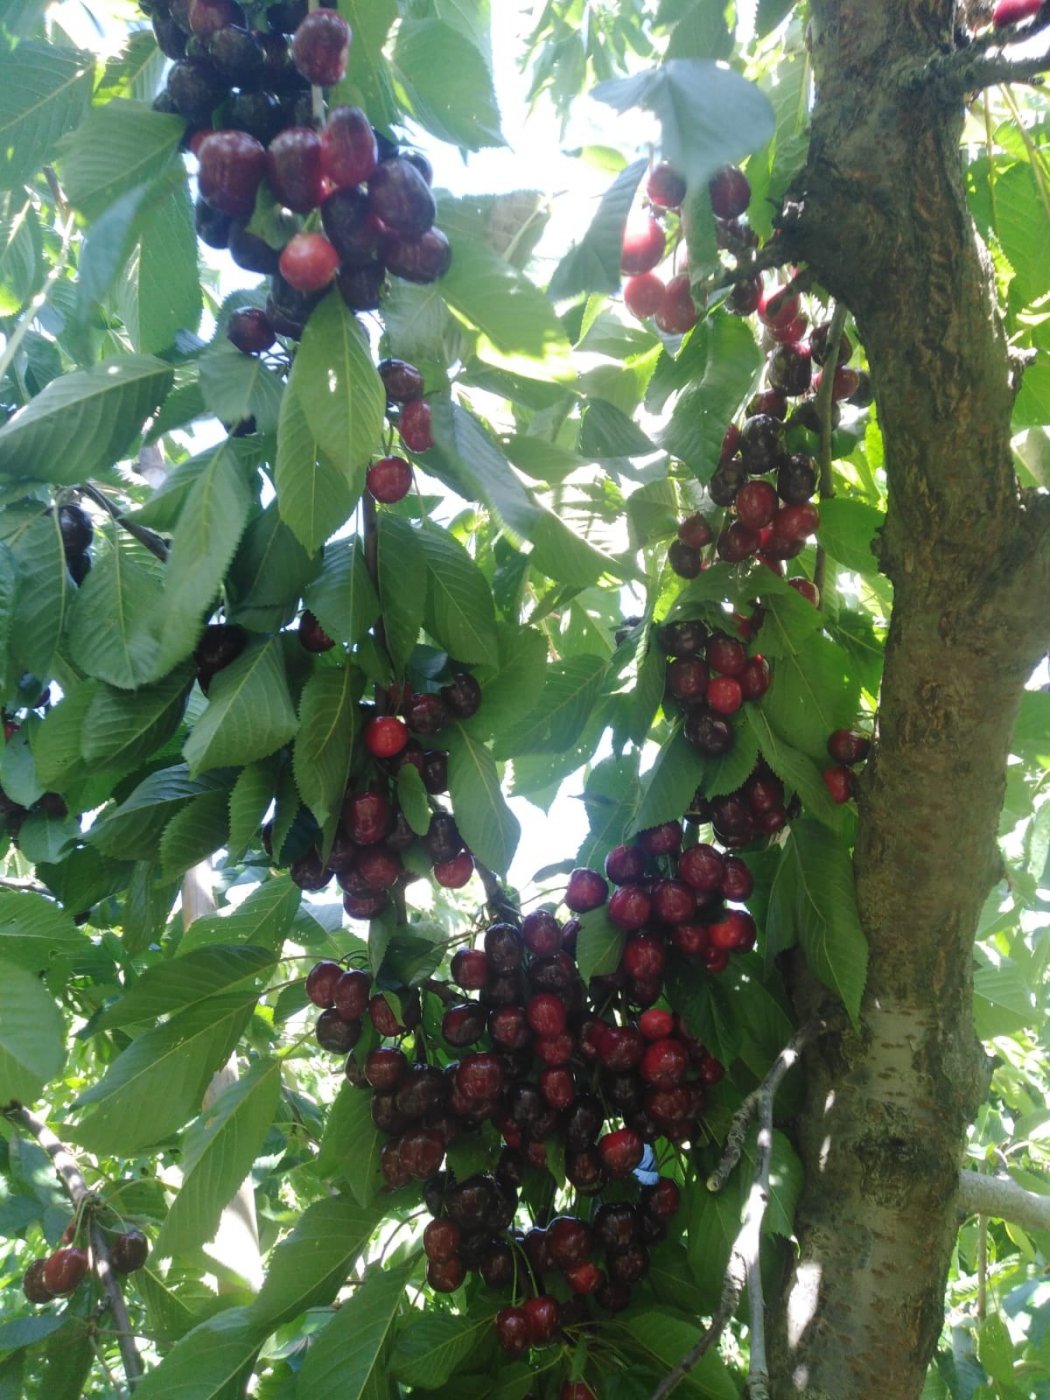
(982, 1268)
(823, 404)
(1002, 1199)
(983, 62)
(8, 883)
(72, 1178)
(147, 538)
(744, 1257)
(501, 906)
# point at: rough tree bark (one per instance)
(884, 225)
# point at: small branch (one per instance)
(500, 905)
(983, 63)
(9, 883)
(147, 538)
(1001, 1198)
(743, 1268)
(72, 1178)
(824, 404)
(775, 252)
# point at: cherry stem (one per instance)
(823, 404)
(147, 538)
(72, 1178)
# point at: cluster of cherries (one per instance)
(65, 1268)
(709, 676)
(245, 94)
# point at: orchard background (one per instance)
(692, 493)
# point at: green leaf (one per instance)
(995, 1350)
(32, 1035)
(599, 945)
(368, 83)
(8, 593)
(487, 824)
(120, 145)
(111, 624)
(340, 391)
(158, 1082)
(412, 798)
(709, 114)
(814, 692)
(433, 1348)
(83, 422)
(606, 431)
(21, 262)
(45, 91)
(511, 695)
(211, 1362)
(186, 981)
(194, 833)
(313, 496)
(123, 728)
(402, 580)
(210, 524)
(798, 771)
(345, 1358)
(460, 613)
(251, 796)
(269, 572)
(309, 1266)
(502, 303)
(44, 837)
(34, 931)
(593, 265)
(249, 712)
(667, 789)
(342, 596)
(323, 745)
(707, 1005)
(219, 1153)
(351, 1144)
(132, 828)
(160, 291)
(826, 912)
(44, 594)
(263, 919)
(447, 83)
(665, 1337)
(848, 529)
(713, 397)
(572, 687)
(468, 459)
(237, 386)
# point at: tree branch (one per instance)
(1002, 1198)
(744, 1258)
(147, 538)
(984, 62)
(68, 1171)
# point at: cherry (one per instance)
(761, 443)
(446, 1275)
(736, 542)
(423, 259)
(863, 394)
(755, 678)
(546, 1014)
(385, 735)
(464, 1025)
(643, 956)
(682, 638)
(453, 874)
(470, 969)
(839, 782)
(779, 308)
(541, 933)
(435, 772)
(312, 635)
(402, 381)
(756, 504)
(630, 907)
(805, 588)
(772, 402)
(379, 868)
(421, 1152)
(586, 890)
(643, 295)
(726, 482)
(735, 932)
(348, 147)
(789, 369)
(400, 197)
(361, 287)
(643, 245)
(796, 522)
(744, 299)
(308, 262)
(64, 1269)
(568, 1241)
(414, 426)
(621, 1151)
(232, 166)
(625, 864)
(847, 746)
(818, 344)
(350, 227)
(665, 186)
(620, 1047)
(695, 531)
(241, 59)
(33, 1285)
(656, 1024)
(334, 1034)
(496, 1266)
(479, 1077)
(555, 1049)
(441, 1240)
(384, 1068)
(250, 252)
(249, 329)
(662, 1199)
(207, 17)
(684, 560)
(845, 383)
(463, 695)
(503, 949)
(708, 734)
(129, 1251)
(674, 902)
(576, 1390)
(792, 333)
(737, 880)
(677, 313)
(295, 168)
(513, 1331)
(367, 817)
(321, 981)
(194, 90)
(662, 840)
(797, 479)
(725, 695)
(442, 840)
(730, 193)
(543, 1315)
(584, 1277)
(365, 906)
(663, 1062)
(425, 713)
(320, 47)
(350, 993)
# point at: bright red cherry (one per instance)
(674, 902)
(644, 956)
(630, 907)
(621, 1151)
(664, 1062)
(385, 736)
(414, 426)
(724, 695)
(546, 1014)
(677, 313)
(453, 874)
(756, 504)
(778, 308)
(643, 245)
(64, 1269)
(544, 1318)
(389, 479)
(470, 969)
(805, 588)
(839, 782)
(701, 866)
(308, 262)
(726, 655)
(643, 295)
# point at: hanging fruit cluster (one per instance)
(65, 1268)
(245, 94)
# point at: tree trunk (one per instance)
(885, 227)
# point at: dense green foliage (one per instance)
(570, 439)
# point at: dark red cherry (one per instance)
(586, 890)
(321, 982)
(250, 330)
(400, 197)
(312, 635)
(730, 193)
(295, 169)
(621, 1151)
(232, 166)
(423, 259)
(348, 146)
(320, 47)
(665, 186)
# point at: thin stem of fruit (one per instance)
(146, 538)
(72, 1178)
(823, 404)
(982, 1268)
